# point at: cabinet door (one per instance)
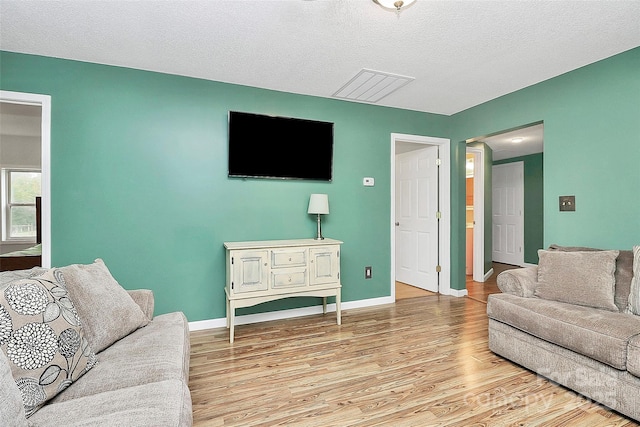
(250, 271)
(324, 265)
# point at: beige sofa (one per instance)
(578, 334)
(137, 375)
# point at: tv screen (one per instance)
(262, 146)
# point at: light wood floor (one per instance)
(422, 361)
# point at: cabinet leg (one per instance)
(324, 305)
(338, 312)
(232, 314)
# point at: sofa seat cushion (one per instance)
(156, 352)
(599, 334)
(633, 356)
(164, 403)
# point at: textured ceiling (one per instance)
(461, 53)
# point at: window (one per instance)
(21, 187)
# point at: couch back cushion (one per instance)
(623, 274)
(581, 278)
(634, 295)
(12, 409)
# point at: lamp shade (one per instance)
(318, 204)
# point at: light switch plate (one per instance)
(567, 203)
(368, 182)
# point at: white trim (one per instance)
(445, 207)
(459, 292)
(478, 213)
(488, 274)
(45, 103)
(286, 314)
(528, 264)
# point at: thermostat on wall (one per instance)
(368, 182)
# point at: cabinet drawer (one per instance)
(288, 277)
(288, 258)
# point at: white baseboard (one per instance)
(457, 292)
(286, 314)
(527, 264)
(488, 274)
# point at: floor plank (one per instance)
(422, 361)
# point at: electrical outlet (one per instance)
(367, 272)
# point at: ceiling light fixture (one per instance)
(395, 5)
(517, 140)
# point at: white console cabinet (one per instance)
(268, 270)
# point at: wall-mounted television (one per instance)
(263, 146)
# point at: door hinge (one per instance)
(438, 215)
(438, 162)
(231, 285)
(438, 269)
(231, 260)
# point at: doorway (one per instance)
(413, 148)
(44, 102)
(508, 146)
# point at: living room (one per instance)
(139, 173)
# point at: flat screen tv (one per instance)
(262, 146)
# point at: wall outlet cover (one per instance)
(567, 203)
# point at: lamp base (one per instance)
(319, 235)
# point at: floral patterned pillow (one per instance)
(41, 335)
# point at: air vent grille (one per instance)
(371, 86)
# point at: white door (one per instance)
(508, 204)
(416, 220)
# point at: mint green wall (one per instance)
(139, 172)
(139, 179)
(533, 204)
(591, 150)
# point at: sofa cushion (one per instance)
(623, 275)
(583, 278)
(107, 311)
(599, 334)
(12, 409)
(165, 403)
(157, 352)
(42, 338)
(633, 356)
(633, 304)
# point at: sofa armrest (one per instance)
(144, 298)
(521, 282)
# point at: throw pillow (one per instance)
(41, 335)
(634, 295)
(107, 310)
(581, 278)
(624, 272)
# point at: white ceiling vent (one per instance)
(372, 86)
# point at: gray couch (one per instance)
(140, 379)
(594, 351)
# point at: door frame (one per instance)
(444, 202)
(478, 215)
(44, 101)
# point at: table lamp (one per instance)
(319, 205)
